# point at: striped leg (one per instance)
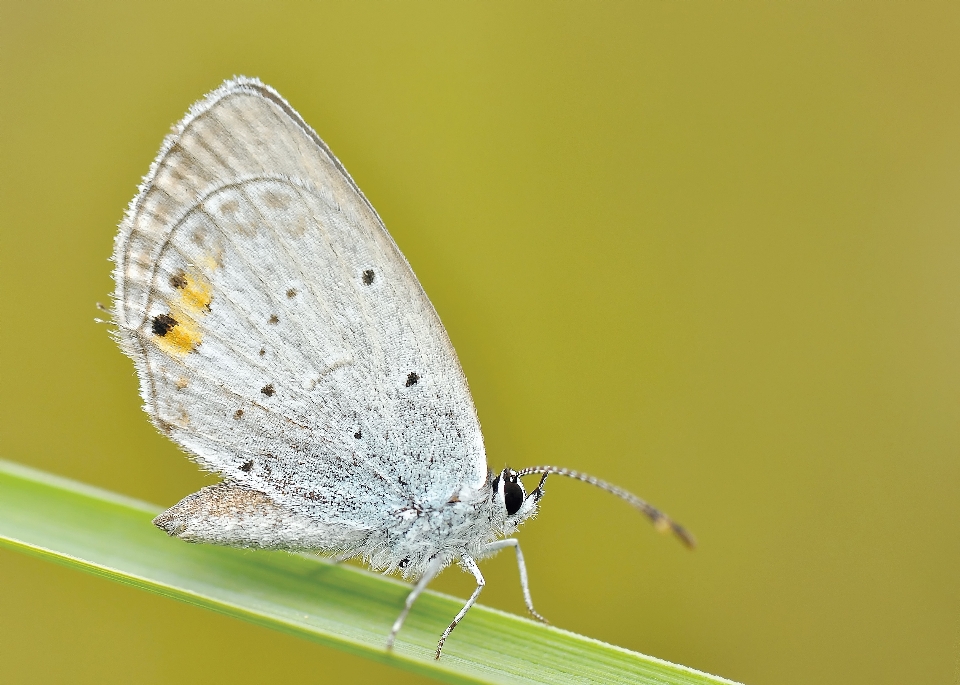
(469, 565)
(524, 585)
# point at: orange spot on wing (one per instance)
(180, 339)
(196, 296)
(190, 302)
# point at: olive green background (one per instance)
(708, 251)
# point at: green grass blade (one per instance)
(340, 606)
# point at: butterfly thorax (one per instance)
(419, 534)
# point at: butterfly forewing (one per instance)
(279, 335)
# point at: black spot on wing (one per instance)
(247, 466)
(237, 415)
(368, 277)
(358, 435)
(163, 324)
(268, 390)
(262, 352)
(273, 319)
(179, 281)
(291, 293)
(412, 379)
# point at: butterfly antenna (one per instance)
(660, 521)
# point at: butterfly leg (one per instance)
(524, 585)
(432, 570)
(468, 565)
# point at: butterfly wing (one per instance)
(279, 335)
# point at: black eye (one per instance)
(512, 497)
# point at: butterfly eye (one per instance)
(512, 496)
(513, 493)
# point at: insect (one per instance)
(282, 340)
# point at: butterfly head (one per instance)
(510, 498)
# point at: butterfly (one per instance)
(282, 340)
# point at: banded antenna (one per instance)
(660, 521)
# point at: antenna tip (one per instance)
(685, 537)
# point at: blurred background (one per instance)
(706, 251)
